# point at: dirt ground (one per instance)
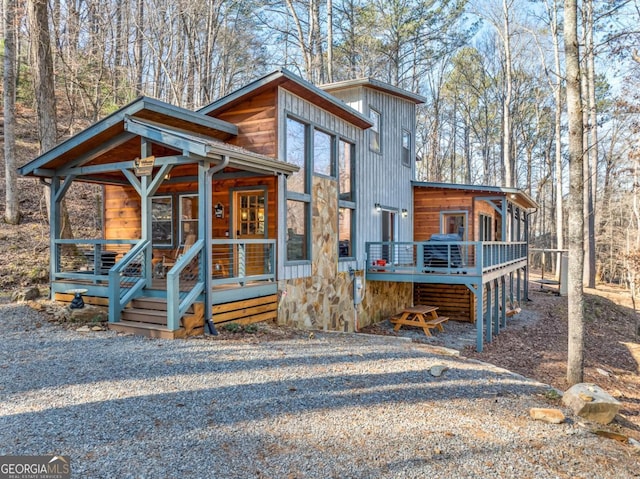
(612, 348)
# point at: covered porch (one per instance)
(189, 220)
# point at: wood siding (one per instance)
(453, 300)
(256, 119)
(429, 203)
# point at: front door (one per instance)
(250, 223)
(388, 234)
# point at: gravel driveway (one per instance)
(327, 406)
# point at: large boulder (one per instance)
(591, 402)
(28, 294)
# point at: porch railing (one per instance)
(185, 283)
(127, 278)
(243, 261)
(87, 259)
(443, 257)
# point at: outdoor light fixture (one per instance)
(378, 207)
(405, 213)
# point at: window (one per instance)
(297, 220)
(251, 220)
(296, 153)
(454, 223)
(323, 156)
(345, 227)
(345, 173)
(374, 131)
(346, 204)
(298, 190)
(406, 148)
(188, 217)
(162, 221)
(485, 229)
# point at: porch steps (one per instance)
(147, 316)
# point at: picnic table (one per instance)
(425, 317)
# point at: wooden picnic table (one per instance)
(425, 317)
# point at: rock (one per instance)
(28, 294)
(97, 328)
(612, 435)
(88, 314)
(552, 416)
(437, 370)
(603, 372)
(591, 402)
(83, 329)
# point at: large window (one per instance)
(297, 154)
(162, 220)
(297, 240)
(298, 190)
(346, 204)
(323, 155)
(188, 217)
(374, 131)
(406, 148)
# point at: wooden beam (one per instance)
(166, 138)
(97, 151)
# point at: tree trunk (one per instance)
(12, 206)
(45, 93)
(592, 148)
(575, 360)
(329, 41)
(509, 167)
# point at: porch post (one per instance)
(526, 250)
(204, 232)
(54, 228)
(490, 318)
(503, 316)
(479, 291)
(505, 218)
(496, 306)
(145, 213)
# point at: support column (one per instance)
(145, 214)
(496, 307)
(503, 315)
(54, 228)
(479, 290)
(204, 231)
(490, 319)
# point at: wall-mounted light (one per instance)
(378, 207)
(405, 213)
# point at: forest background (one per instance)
(491, 71)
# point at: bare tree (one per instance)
(12, 210)
(575, 360)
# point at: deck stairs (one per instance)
(147, 316)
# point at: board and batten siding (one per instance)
(381, 177)
(303, 110)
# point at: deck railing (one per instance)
(241, 261)
(443, 257)
(185, 283)
(127, 278)
(88, 259)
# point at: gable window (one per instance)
(406, 148)
(374, 131)
(296, 139)
(162, 220)
(323, 156)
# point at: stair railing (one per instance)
(127, 278)
(179, 302)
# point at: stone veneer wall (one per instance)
(324, 300)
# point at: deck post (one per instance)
(496, 307)
(54, 227)
(489, 288)
(479, 290)
(505, 212)
(503, 316)
(145, 212)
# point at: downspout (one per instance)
(208, 250)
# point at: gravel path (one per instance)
(326, 406)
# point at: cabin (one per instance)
(281, 201)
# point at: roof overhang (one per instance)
(288, 80)
(374, 85)
(514, 195)
(109, 134)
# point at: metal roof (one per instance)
(375, 85)
(515, 195)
